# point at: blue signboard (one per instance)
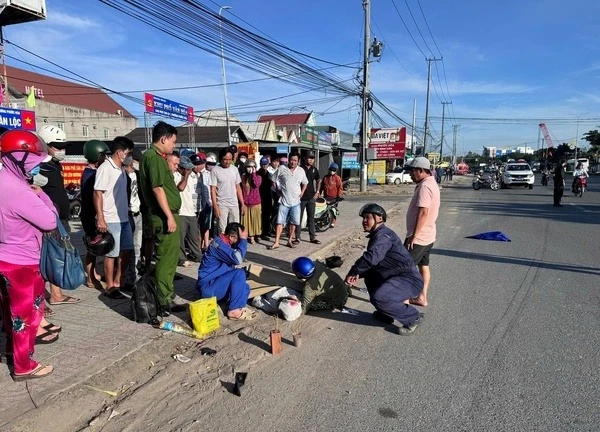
(283, 149)
(17, 119)
(168, 108)
(350, 161)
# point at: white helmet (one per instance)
(52, 134)
(211, 158)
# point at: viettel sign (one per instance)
(388, 143)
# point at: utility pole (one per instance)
(224, 75)
(412, 128)
(455, 127)
(427, 103)
(364, 139)
(443, 121)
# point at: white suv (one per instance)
(518, 174)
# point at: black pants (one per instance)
(310, 215)
(266, 209)
(558, 193)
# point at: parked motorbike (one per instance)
(74, 194)
(325, 213)
(580, 186)
(491, 182)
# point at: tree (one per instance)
(593, 137)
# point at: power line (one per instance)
(417, 26)
(406, 27)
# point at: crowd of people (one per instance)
(177, 209)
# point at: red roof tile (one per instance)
(63, 92)
(285, 119)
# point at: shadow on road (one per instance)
(517, 261)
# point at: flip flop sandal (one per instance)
(273, 247)
(34, 374)
(49, 328)
(291, 245)
(296, 241)
(247, 315)
(39, 339)
(66, 300)
(48, 312)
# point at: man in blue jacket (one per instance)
(218, 276)
(390, 273)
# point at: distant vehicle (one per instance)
(517, 174)
(398, 176)
(584, 161)
(461, 169)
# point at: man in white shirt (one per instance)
(135, 216)
(187, 183)
(293, 182)
(204, 200)
(226, 192)
(112, 210)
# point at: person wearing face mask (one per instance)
(56, 140)
(112, 212)
(389, 271)
(205, 216)
(26, 212)
(331, 186)
(252, 218)
(241, 162)
(186, 179)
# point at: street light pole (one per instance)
(224, 75)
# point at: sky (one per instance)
(507, 66)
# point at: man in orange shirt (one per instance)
(420, 221)
(331, 186)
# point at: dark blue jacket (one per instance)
(220, 258)
(385, 258)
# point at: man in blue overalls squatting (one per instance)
(390, 273)
(218, 276)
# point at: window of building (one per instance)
(86, 131)
(61, 126)
(106, 133)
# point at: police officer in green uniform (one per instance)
(163, 200)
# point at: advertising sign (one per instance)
(388, 143)
(376, 172)
(17, 119)
(309, 135)
(350, 160)
(167, 108)
(283, 149)
(72, 172)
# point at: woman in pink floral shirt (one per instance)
(252, 218)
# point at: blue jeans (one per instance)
(231, 285)
(123, 235)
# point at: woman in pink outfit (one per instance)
(252, 219)
(25, 213)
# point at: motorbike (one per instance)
(545, 178)
(325, 213)
(74, 194)
(490, 182)
(580, 186)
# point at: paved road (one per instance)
(509, 343)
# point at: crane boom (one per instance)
(546, 135)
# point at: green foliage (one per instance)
(593, 137)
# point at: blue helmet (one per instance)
(303, 267)
(187, 152)
(264, 161)
(334, 166)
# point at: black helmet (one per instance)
(334, 261)
(374, 209)
(92, 150)
(100, 244)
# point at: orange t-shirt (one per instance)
(427, 195)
